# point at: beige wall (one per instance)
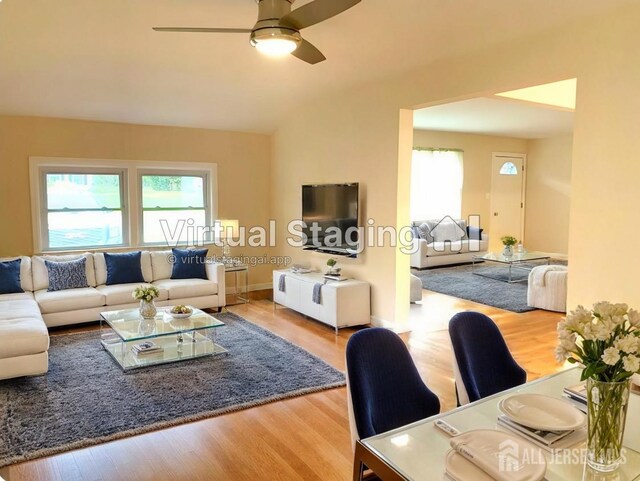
(478, 150)
(355, 136)
(243, 167)
(548, 198)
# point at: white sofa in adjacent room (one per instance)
(438, 242)
(24, 317)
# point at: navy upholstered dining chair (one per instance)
(384, 388)
(482, 363)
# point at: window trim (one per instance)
(131, 196)
(177, 173)
(69, 170)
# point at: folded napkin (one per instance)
(281, 283)
(317, 293)
(500, 456)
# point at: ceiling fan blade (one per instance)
(202, 30)
(307, 52)
(316, 12)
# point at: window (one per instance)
(96, 204)
(508, 168)
(436, 184)
(175, 201)
(82, 209)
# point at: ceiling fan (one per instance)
(277, 31)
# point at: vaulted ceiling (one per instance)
(100, 60)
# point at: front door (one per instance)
(507, 198)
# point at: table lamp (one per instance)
(229, 229)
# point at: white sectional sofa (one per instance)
(24, 317)
(444, 242)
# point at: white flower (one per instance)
(631, 364)
(561, 354)
(611, 356)
(587, 332)
(569, 344)
(628, 344)
(601, 331)
(603, 309)
(634, 317)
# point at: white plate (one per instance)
(542, 412)
(180, 316)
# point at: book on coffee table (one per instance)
(147, 347)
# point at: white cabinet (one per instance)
(343, 303)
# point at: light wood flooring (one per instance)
(305, 438)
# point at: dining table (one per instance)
(417, 451)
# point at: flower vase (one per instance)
(507, 251)
(607, 404)
(148, 309)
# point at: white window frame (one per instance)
(131, 196)
(205, 175)
(73, 170)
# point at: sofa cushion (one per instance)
(121, 294)
(41, 275)
(448, 230)
(67, 275)
(123, 268)
(16, 297)
(189, 263)
(26, 282)
(424, 231)
(19, 309)
(162, 265)
(22, 336)
(101, 267)
(69, 300)
(185, 288)
(10, 277)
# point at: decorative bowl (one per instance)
(181, 315)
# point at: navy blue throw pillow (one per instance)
(124, 268)
(67, 274)
(189, 264)
(474, 233)
(10, 277)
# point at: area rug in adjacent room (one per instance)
(458, 281)
(86, 399)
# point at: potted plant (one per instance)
(146, 295)
(606, 342)
(508, 242)
(333, 270)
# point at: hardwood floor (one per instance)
(305, 438)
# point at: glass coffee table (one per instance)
(176, 339)
(524, 261)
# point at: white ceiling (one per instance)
(99, 59)
(490, 116)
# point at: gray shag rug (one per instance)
(458, 281)
(86, 399)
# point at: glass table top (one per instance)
(130, 326)
(417, 451)
(516, 257)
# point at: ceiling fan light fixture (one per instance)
(275, 41)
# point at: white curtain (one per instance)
(436, 184)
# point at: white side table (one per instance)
(241, 296)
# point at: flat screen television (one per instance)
(330, 214)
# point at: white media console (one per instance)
(344, 303)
